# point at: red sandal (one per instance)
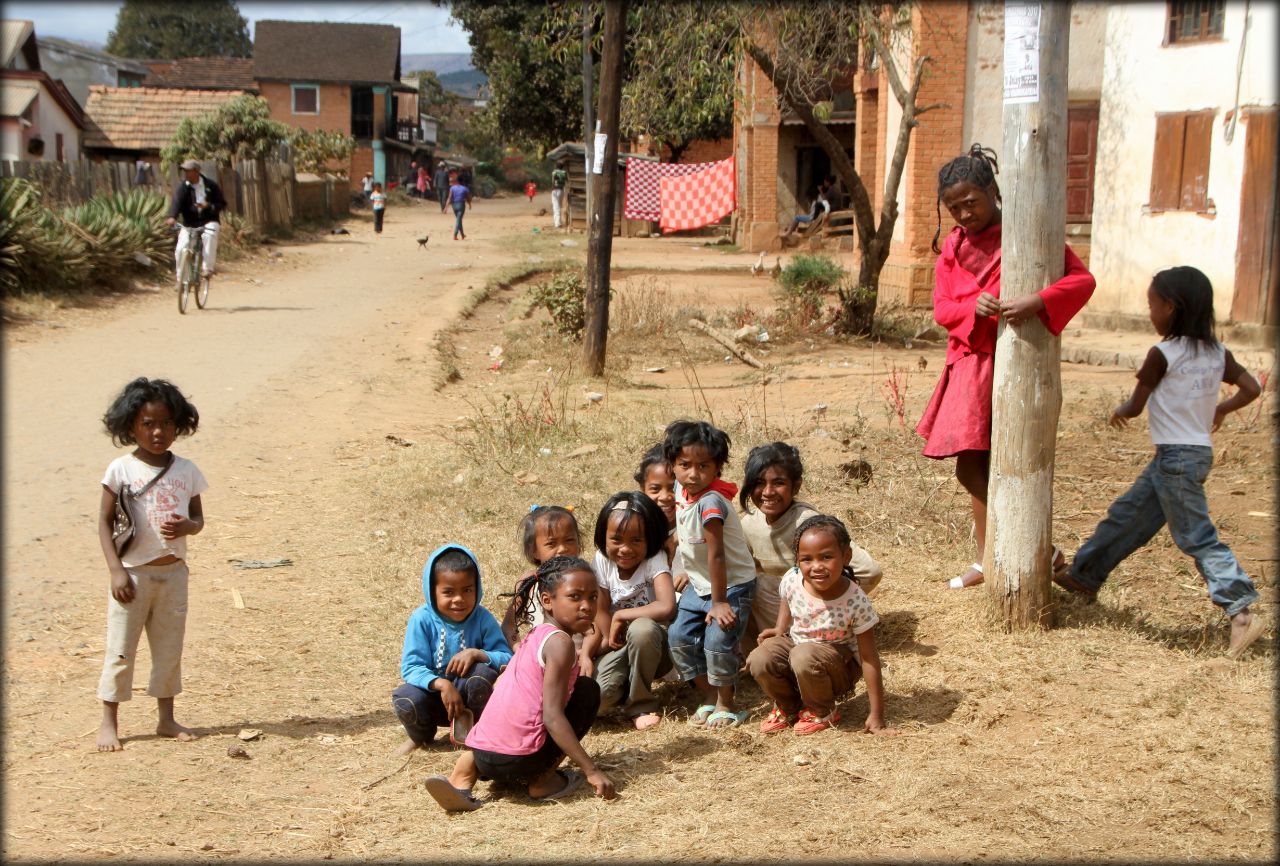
(776, 721)
(809, 723)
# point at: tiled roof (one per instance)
(144, 118)
(202, 73)
(323, 51)
(15, 98)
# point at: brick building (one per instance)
(342, 78)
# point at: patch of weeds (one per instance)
(564, 297)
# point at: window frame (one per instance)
(293, 98)
(1204, 35)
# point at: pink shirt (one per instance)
(512, 721)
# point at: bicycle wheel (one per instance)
(202, 293)
(184, 284)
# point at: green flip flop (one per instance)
(726, 718)
(700, 716)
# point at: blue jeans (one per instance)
(459, 208)
(421, 711)
(699, 647)
(1170, 490)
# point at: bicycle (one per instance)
(192, 260)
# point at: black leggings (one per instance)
(421, 711)
(581, 711)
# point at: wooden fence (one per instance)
(262, 191)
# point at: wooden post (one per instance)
(588, 91)
(1027, 390)
(600, 237)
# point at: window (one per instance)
(306, 99)
(61, 154)
(1180, 167)
(1194, 21)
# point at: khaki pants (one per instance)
(626, 675)
(809, 675)
(159, 607)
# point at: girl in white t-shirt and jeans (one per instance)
(148, 586)
(824, 637)
(1181, 378)
(631, 620)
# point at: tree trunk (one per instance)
(677, 149)
(1027, 393)
(588, 91)
(600, 241)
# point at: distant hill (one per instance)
(464, 83)
(440, 64)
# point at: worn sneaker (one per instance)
(809, 723)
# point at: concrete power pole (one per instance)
(1027, 389)
(600, 237)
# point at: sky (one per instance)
(425, 28)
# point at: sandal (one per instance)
(959, 582)
(1069, 582)
(450, 798)
(777, 721)
(462, 724)
(809, 723)
(572, 779)
(726, 718)
(700, 715)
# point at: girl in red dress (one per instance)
(966, 301)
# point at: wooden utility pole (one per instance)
(1027, 390)
(588, 91)
(600, 238)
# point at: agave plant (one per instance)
(36, 251)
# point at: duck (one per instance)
(758, 268)
(777, 268)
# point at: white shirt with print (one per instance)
(172, 494)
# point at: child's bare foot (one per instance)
(176, 731)
(645, 721)
(1245, 629)
(108, 738)
(406, 747)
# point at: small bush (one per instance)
(804, 285)
(564, 296)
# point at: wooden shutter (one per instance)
(1166, 163)
(1194, 192)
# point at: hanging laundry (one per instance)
(641, 201)
(696, 200)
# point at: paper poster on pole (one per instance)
(597, 163)
(1021, 52)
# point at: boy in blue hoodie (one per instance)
(453, 650)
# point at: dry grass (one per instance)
(1119, 735)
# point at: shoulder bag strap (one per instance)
(151, 483)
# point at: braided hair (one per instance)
(979, 167)
(549, 575)
(826, 523)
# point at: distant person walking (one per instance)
(441, 183)
(379, 201)
(465, 177)
(367, 185)
(423, 181)
(459, 197)
(559, 180)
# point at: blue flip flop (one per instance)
(700, 716)
(729, 718)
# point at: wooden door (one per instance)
(1082, 153)
(1257, 295)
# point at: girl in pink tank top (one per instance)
(541, 706)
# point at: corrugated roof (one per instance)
(203, 73)
(14, 98)
(67, 46)
(144, 118)
(13, 36)
(326, 51)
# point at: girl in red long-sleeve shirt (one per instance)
(966, 301)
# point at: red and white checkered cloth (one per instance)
(696, 200)
(641, 199)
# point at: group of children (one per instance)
(676, 581)
(681, 586)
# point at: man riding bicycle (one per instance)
(199, 202)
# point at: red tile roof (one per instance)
(202, 73)
(143, 118)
